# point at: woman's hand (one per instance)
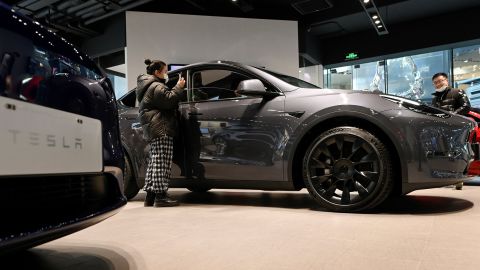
(181, 82)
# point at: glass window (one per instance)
(311, 74)
(41, 65)
(411, 76)
(36, 71)
(466, 72)
(369, 76)
(325, 78)
(129, 99)
(54, 64)
(341, 78)
(216, 84)
(291, 80)
(119, 85)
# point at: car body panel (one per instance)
(411, 141)
(225, 141)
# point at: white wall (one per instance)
(185, 39)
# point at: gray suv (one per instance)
(250, 128)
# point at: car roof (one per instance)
(212, 63)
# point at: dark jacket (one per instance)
(453, 100)
(158, 107)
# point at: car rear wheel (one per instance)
(348, 169)
(130, 187)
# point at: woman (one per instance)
(157, 112)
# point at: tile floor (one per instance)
(234, 229)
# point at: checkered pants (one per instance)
(159, 165)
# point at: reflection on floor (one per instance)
(234, 229)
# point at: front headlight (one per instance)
(417, 106)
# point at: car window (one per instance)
(216, 84)
(291, 80)
(40, 72)
(130, 99)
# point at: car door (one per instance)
(230, 136)
(132, 134)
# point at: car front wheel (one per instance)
(348, 169)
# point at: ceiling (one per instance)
(321, 18)
(333, 26)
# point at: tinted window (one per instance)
(291, 80)
(216, 84)
(129, 99)
(37, 66)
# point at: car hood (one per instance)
(318, 99)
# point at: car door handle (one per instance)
(194, 113)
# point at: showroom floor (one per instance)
(429, 229)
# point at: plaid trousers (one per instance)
(159, 165)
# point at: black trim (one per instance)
(39, 209)
(40, 237)
(235, 184)
(227, 66)
(409, 187)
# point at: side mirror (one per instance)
(253, 87)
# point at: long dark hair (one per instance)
(154, 65)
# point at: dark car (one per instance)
(246, 127)
(61, 159)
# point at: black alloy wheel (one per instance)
(348, 169)
(130, 187)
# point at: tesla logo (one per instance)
(48, 140)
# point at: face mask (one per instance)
(441, 89)
(166, 77)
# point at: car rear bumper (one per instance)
(39, 209)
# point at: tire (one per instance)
(130, 187)
(348, 169)
(198, 189)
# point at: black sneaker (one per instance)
(162, 200)
(459, 186)
(149, 199)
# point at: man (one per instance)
(449, 99)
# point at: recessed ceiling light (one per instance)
(366, 1)
(374, 17)
(377, 21)
(380, 26)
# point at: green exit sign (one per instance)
(351, 56)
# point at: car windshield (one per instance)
(291, 80)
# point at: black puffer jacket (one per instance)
(158, 107)
(453, 100)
